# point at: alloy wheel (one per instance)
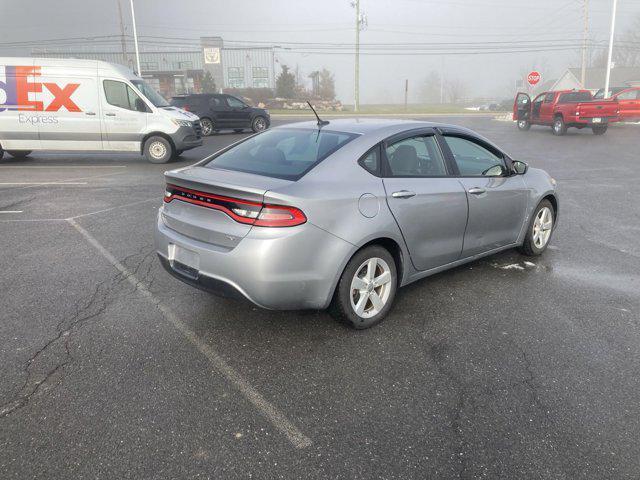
(259, 124)
(370, 287)
(542, 227)
(207, 127)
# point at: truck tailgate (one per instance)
(599, 109)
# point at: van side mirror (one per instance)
(519, 168)
(141, 106)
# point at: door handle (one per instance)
(110, 114)
(403, 194)
(90, 113)
(477, 191)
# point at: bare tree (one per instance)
(626, 50)
(456, 90)
(430, 91)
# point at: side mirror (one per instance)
(140, 105)
(519, 168)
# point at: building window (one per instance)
(183, 85)
(236, 77)
(149, 66)
(260, 77)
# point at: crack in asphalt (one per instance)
(85, 310)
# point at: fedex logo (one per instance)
(20, 81)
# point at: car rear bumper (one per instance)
(275, 268)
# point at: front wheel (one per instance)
(600, 129)
(366, 289)
(559, 128)
(259, 124)
(158, 150)
(540, 230)
(524, 125)
(19, 153)
(207, 127)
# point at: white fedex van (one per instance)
(87, 105)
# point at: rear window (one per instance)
(178, 101)
(575, 97)
(282, 153)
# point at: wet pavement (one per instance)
(509, 367)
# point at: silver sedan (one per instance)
(340, 215)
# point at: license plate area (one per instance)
(596, 120)
(184, 261)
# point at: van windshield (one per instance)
(281, 153)
(147, 90)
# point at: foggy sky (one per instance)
(382, 77)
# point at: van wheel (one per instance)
(559, 128)
(523, 125)
(158, 150)
(207, 126)
(259, 124)
(19, 153)
(366, 289)
(600, 130)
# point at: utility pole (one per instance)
(356, 105)
(585, 36)
(135, 37)
(406, 93)
(123, 39)
(613, 27)
(441, 80)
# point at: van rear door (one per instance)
(19, 113)
(70, 118)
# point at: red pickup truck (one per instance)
(563, 109)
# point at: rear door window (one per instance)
(575, 97)
(282, 153)
(416, 157)
(549, 97)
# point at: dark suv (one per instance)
(220, 111)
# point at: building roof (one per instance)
(620, 76)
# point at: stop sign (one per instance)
(533, 78)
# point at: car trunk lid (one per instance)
(204, 201)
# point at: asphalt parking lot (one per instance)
(504, 368)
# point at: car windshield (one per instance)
(154, 97)
(575, 97)
(282, 153)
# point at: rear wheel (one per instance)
(259, 124)
(600, 129)
(158, 150)
(558, 127)
(540, 230)
(19, 153)
(524, 125)
(366, 289)
(207, 126)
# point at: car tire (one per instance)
(238, 130)
(558, 128)
(207, 127)
(349, 305)
(523, 125)
(600, 130)
(259, 124)
(158, 150)
(1, 153)
(19, 153)
(540, 230)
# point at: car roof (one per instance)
(364, 125)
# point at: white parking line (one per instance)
(43, 183)
(10, 211)
(277, 419)
(29, 167)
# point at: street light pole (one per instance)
(585, 36)
(613, 27)
(135, 37)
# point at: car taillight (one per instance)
(242, 211)
(186, 107)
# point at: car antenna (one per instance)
(321, 123)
